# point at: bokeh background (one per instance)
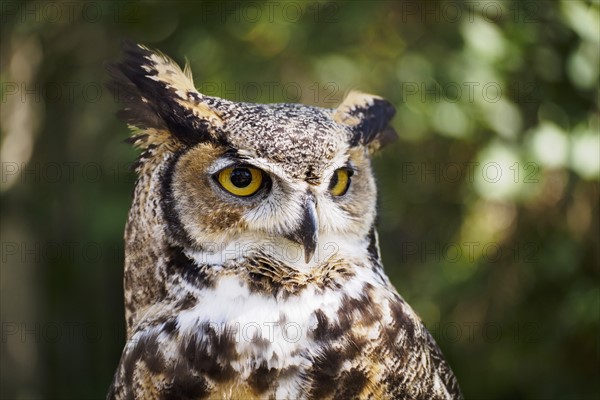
(489, 219)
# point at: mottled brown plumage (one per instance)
(252, 267)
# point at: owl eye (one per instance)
(340, 182)
(240, 181)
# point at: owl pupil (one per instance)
(241, 177)
(334, 180)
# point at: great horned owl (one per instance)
(252, 268)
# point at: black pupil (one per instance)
(334, 180)
(241, 177)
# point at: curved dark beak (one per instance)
(306, 234)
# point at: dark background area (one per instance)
(489, 222)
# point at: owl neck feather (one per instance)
(146, 241)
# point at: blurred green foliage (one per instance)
(488, 202)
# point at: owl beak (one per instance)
(307, 232)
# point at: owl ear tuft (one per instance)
(368, 116)
(160, 99)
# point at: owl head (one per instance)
(237, 179)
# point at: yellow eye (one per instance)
(340, 182)
(240, 181)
